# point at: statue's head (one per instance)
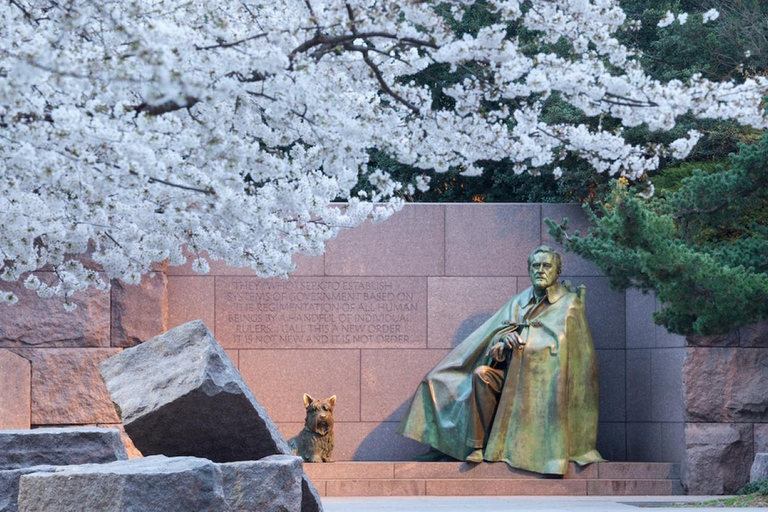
(544, 267)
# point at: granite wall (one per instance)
(365, 322)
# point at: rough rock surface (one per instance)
(730, 339)
(15, 375)
(9, 485)
(139, 312)
(160, 483)
(59, 447)
(45, 323)
(179, 394)
(66, 387)
(739, 377)
(718, 457)
(759, 467)
(755, 335)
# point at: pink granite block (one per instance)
(305, 266)
(634, 487)
(497, 487)
(321, 312)
(389, 378)
(139, 312)
(374, 488)
(459, 305)
(410, 243)
(365, 441)
(573, 264)
(279, 379)
(761, 437)
(130, 448)
(15, 375)
(490, 239)
(320, 486)
(191, 298)
(67, 388)
(234, 355)
(37, 322)
(486, 470)
(350, 471)
(638, 470)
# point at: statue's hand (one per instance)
(497, 351)
(512, 341)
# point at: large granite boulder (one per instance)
(160, 483)
(179, 394)
(59, 447)
(738, 375)
(9, 485)
(717, 457)
(759, 469)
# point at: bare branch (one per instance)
(164, 108)
(223, 44)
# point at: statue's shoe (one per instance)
(475, 457)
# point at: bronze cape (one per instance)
(547, 412)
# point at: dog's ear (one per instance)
(332, 401)
(308, 400)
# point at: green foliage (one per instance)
(759, 487)
(702, 247)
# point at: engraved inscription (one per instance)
(329, 312)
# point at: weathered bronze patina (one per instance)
(522, 388)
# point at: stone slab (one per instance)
(761, 437)
(490, 239)
(644, 442)
(305, 266)
(36, 322)
(634, 487)
(281, 377)
(641, 330)
(388, 379)
(374, 488)
(755, 335)
(9, 485)
(759, 468)
(410, 243)
(366, 441)
(638, 471)
(139, 312)
(66, 387)
(672, 442)
(323, 312)
(738, 375)
(351, 471)
(190, 298)
(612, 385)
(718, 457)
(59, 447)
(605, 311)
(459, 305)
(574, 264)
(612, 440)
(667, 384)
(486, 470)
(161, 483)
(180, 395)
(638, 399)
(15, 374)
(496, 487)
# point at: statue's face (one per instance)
(542, 270)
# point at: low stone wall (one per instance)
(365, 322)
(726, 408)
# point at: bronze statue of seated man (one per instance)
(522, 388)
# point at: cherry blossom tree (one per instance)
(131, 128)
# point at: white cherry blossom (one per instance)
(130, 129)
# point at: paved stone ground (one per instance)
(517, 503)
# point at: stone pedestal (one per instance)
(15, 374)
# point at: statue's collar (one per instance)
(554, 293)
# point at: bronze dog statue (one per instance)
(315, 442)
